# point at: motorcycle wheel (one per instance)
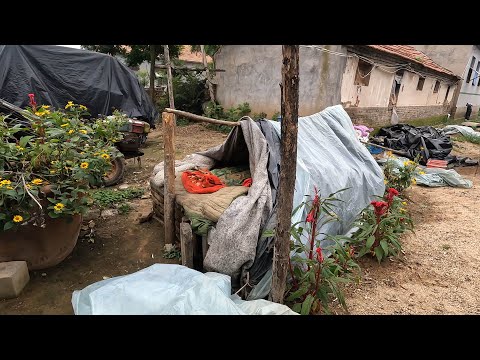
(116, 174)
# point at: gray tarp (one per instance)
(329, 157)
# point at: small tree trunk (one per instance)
(166, 52)
(207, 73)
(288, 152)
(152, 72)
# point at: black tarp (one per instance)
(57, 74)
(424, 140)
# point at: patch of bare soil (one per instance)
(440, 270)
(121, 245)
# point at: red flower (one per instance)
(391, 193)
(380, 207)
(319, 255)
(33, 104)
(310, 216)
(316, 199)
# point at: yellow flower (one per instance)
(385, 181)
(46, 106)
(46, 112)
(59, 207)
(69, 104)
(64, 125)
(422, 172)
(71, 131)
(5, 182)
(52, 171)
(83, 131)
(82, 153)
(37, 181)
(9, 188)
(106, 156)
(389, 154)
(83, 107)
(404, 203)
(17, 218)
(20, 148)
(84, 165)
(414, 181)
(402, 210)
(96, 154)
(29, 186)
(39, 113)
(405, 163)
(421, 148)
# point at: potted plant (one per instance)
(47, 165)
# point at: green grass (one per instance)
(467, 138)
(108, 198)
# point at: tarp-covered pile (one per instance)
(329, 157)
(57, 74)
(425, 141)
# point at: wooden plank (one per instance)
(186, 244)
(201, 118)
(288, 153)
(169, 171)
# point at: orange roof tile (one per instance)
(412, 54)
(187, 55)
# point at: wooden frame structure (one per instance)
(288, 150)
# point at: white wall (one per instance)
(376, 94)
(470, 93)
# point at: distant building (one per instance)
(464, 61)
(376, 84)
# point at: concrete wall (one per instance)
(376, 94)
(410, 96)
(253, 74)
(469, 93)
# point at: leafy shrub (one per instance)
(400, 177)
(234, 114)
(105, 198)
(380, 226)
(314, 278)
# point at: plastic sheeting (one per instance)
(464, 130)
(165, 289)
(436, 177)
(57, 74)
(424, 140)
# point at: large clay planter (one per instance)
(41, 247)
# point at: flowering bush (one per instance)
(315, 277)
(400, 177)
(381, 225)
(57, 154)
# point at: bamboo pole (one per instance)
(201, 118)
(288, 153)
(166, 53)
(169, 171)
(209, 83)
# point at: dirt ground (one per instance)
(121, 245)
(440, 270)
(438, 274)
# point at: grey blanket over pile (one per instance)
(233, 241)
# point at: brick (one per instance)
(13, 278)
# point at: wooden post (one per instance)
(152, 72)
(169, 171)
(186, 244)
(288, 153)
(207, 72)
(166, 52)
(456, 94)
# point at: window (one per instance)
(446, 94)
(436, 87)
(470, 71)
(476, 80)
(421, 81)
(362, 77)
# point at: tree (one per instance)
(136, 54)
(210, 50)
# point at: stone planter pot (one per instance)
(41, 247)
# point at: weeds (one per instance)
(108, 198)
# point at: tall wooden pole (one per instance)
(152, 72)
(454, 101)
(288, 152)
(166, 52)
(169, 173)
(207, 72)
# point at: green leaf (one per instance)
(8, 225)
(2, 216)
(296, 294)
(362, 252)
(384, 246)
(24, 140)
(379, 253)
(307, 305)
(268, 233)
(297, 308)
(370, 241)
